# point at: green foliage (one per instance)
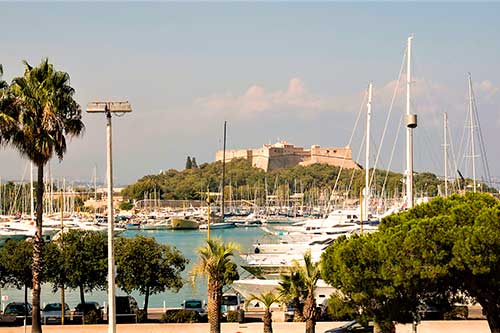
(142, 316)
(457, 312)
(78, 259)
(232, 316)
(292, 289)
(432, 251)
(37, 114)
(247, 182)
(194, 163)
(126, 205)
(44, 112)
(339, 309)
(16, 258)
(147, 266)
(215, 262)
(181, 316)
(92, 317)
(189, 163)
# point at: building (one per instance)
(283, 155)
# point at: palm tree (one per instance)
(3, 84)
(310, 272)
(6, 102)
(215, 263)
(291, 289)
(45, 113)
(267, 299)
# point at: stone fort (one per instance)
(283, 155)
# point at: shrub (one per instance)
(181, 316)
(339, 310)
(232, 316)
(92, 317)
(457, 312)
(141, 316)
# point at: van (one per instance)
(126, 309)
(196, 305)
(231, 302)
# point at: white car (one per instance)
(51, 313)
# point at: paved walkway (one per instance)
(462, 326)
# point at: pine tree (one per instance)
(194, 164)
(189, 163)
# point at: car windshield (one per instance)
(52, 307)
(229, 300)
(192, 304)
(88, 306)
(14, 308)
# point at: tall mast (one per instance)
(472, 148)
(411, 123)
(95, 182)
(445, 134)
(366, 195)
(223, 171)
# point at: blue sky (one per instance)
(294, 71)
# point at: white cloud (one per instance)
(257, 100)
(487, 89)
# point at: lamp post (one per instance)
(108, 108)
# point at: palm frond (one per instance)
(267, 299)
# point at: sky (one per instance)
(275, 71)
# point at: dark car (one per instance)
(14, 313)
(89, 307)
(126, 309)
(352, 326)
(18, 309)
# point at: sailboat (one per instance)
(219, 222)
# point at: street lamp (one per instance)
(108, 108)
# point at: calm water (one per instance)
(186, 241)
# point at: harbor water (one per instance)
(187, 241)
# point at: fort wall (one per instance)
(283, 155)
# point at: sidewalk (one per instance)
(458, 326)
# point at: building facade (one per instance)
(283, 155)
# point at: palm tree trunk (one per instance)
(268, 321)
(310, 325)
(214, 304)
(37, 254)
(310, 313)
(146, 301)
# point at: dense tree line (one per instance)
(247, 182)
(443, 250)
(78, 260)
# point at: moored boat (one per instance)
(183, 224)
(217, 225)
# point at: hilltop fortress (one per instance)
(283, 155)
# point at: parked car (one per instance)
(88, 307)
(15, 312)
(352, 326)
(196, 305)
(51, 313)
(126, 309)
(18, 309)
(289, 312)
